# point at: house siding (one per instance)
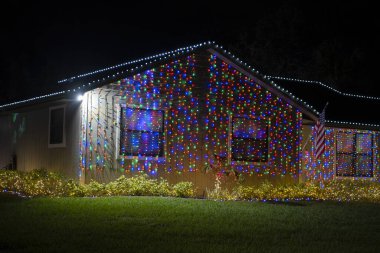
(25, 132)
(199, 94)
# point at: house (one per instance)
(184, 113)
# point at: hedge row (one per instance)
(336, 190)
(44, 183)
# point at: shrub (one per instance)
(94, 189)
(337, 190)
(138, 185)
(44, 183)
(38, 183)
(184, 190)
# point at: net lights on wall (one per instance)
(348, 153)
(171, 123)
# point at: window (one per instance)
(141, 132)
(57, 127)
(249, 140)
(354, 154)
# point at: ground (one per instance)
(157, 224)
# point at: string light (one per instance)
(171, 88)
(341, 145)
(145, 62)
(187, 116)
(323, 85)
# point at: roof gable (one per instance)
(70, 87)
(87, 81)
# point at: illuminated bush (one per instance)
(138, 185)
(38, 183)
(337, 190)
(44, 183)
(183, 190)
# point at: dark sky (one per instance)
(43, 42)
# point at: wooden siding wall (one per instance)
(25, 134)
(99, 151)
(8, 132)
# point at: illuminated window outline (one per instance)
(232, 117)
(354, 155)
(63, 143)
(162, 133)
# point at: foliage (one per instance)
(43, 183)
(139, 185)
(337, 190)
(184, 189)
(38, 183)
(218, 192)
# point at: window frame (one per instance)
(354, 155)
(231, 135)
(63, 143)
(120, 135)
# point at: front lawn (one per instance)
(158, 224)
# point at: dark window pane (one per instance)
(345, 142)
(143, 120)
(56, 126)
(345, 165)
(364, 166)
(249, 150)
(142, 143)
(363, 143)
(354, 154)
(248, 128)
(249, 140)
(141, 132)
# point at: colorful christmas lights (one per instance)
(232, 94)
(349, 153)
(169, 122)
(197, 129)
(145, 62)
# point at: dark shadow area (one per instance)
(7, 197)
(290, 203)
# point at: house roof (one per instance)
(343, 108)
(70, 87)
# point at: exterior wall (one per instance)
(325, 167)
(198, 94)
(24, 133)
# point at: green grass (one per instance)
(154, 224)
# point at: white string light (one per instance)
(32, 99)
(323, 85)
(153, 57)
(170, 54)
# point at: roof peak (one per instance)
(148, 58)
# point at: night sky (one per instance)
(44, 42)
